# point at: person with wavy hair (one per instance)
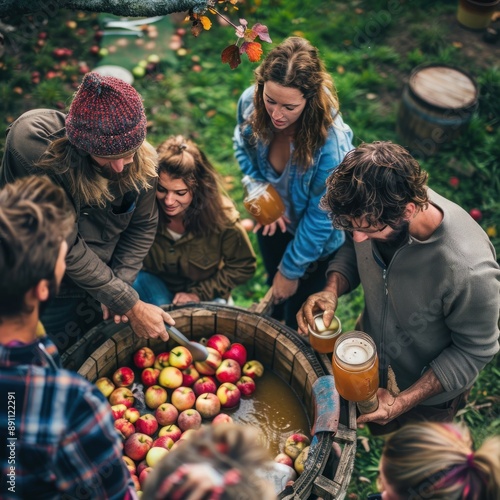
(201, 251)
(430, 279)
(438, 461)
(98, 154)
(57, 429)
(290, 134)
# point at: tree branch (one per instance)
(126, 8)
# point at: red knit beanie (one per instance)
(106, 117)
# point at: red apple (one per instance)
(187, 434)
(454, 182)
(210, 365)
(137, 446)
(135, 480)
(208, 405)
(170, 377)
(246, 385)
(229, 395)
(183, 398)
(141, 466)
(163, 442)
(105, 385)
(124, 427)
(237, 352)
(144, 475)
(155, 454)
(476, 214)
(229, 371)
(180, 31)
(180, 357)
(219, 342)
(171, 431)
(155, 396)
(189, 419)
(189, 376)
(253, 368)
(162, 360)
(283, 458)
(149, 376)
(222, 418)
(122, 395)
(132, 414)
(146, 424)
(144, 357)
(166, 414)
(94, 50)
(130, 464)
(123, 377)
(295, 443)
(118, 410)
(205, 384)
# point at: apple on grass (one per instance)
(105, 385)
(163, 442)
(171, 431)
(180, 357)
(130, 464)
(161, 360)
(124, 427)
(123, 376)
(144, 357)
(208, 405)
(295, 443)
(117, 411)
(149, 376)
(205, 384)
(253, 369)
(246, 385)
(137, 446)
(189, 419)
(210, 365)
(166, 414)
(219, 342)
(146, 424)
(229, 371)
(183, 398)
(222, 418)
(189, 376)
(132, 414)
(229, 395)
(155, 396)
(238, 352)
(170, 377)
(122, 395)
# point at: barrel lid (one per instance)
(444, 87)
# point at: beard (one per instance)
(108, 173)
(399, 235)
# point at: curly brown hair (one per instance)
(295, 63)
(375, 182)
(35, 217)
(209, 211)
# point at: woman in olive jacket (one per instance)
(201, 251)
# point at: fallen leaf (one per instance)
(340, 70)
(457, 45)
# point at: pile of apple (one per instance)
(179, 396)
(295, 453)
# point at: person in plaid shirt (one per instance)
(56, 429)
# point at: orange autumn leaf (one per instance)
(205, 21)
(231, 55)
(253, 50)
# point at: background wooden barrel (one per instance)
(436, 106)
(476, 15)
(327, 475)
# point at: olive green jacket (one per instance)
(210, 266)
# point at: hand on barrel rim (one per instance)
(325, 302)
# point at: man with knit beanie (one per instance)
(98, 154)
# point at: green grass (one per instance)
(369, 72)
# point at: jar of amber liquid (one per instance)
(355, 369)
(262, 201)
(323, 338)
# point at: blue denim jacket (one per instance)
(314, 237)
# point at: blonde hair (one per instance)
(226, 447)
(295, 63)
(435, 460)
(86, 184)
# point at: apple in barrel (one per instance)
(105, 385)
(180, 357)
(149, 376)
(229, 395)
(205, 384)
(170, 377)
(229, 371)
(166, 414)
(219, 342)
(210, 365)
(155, 396)
(208, 405)
(122, 395)
(137, 446)
(144, 357)
(123, 376)
(238, 352)
(189, 419)
(146, 424)
(171, 431)
(183, 398)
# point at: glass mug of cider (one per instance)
(355, 369)
(262, 201)
(323, 338)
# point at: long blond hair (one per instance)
(295, 63)
(85, 183)
(436, 460)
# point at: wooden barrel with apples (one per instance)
(333, 423)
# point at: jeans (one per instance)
(152, 289)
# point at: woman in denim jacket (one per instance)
(291, 135)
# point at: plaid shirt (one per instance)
(56, 431)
